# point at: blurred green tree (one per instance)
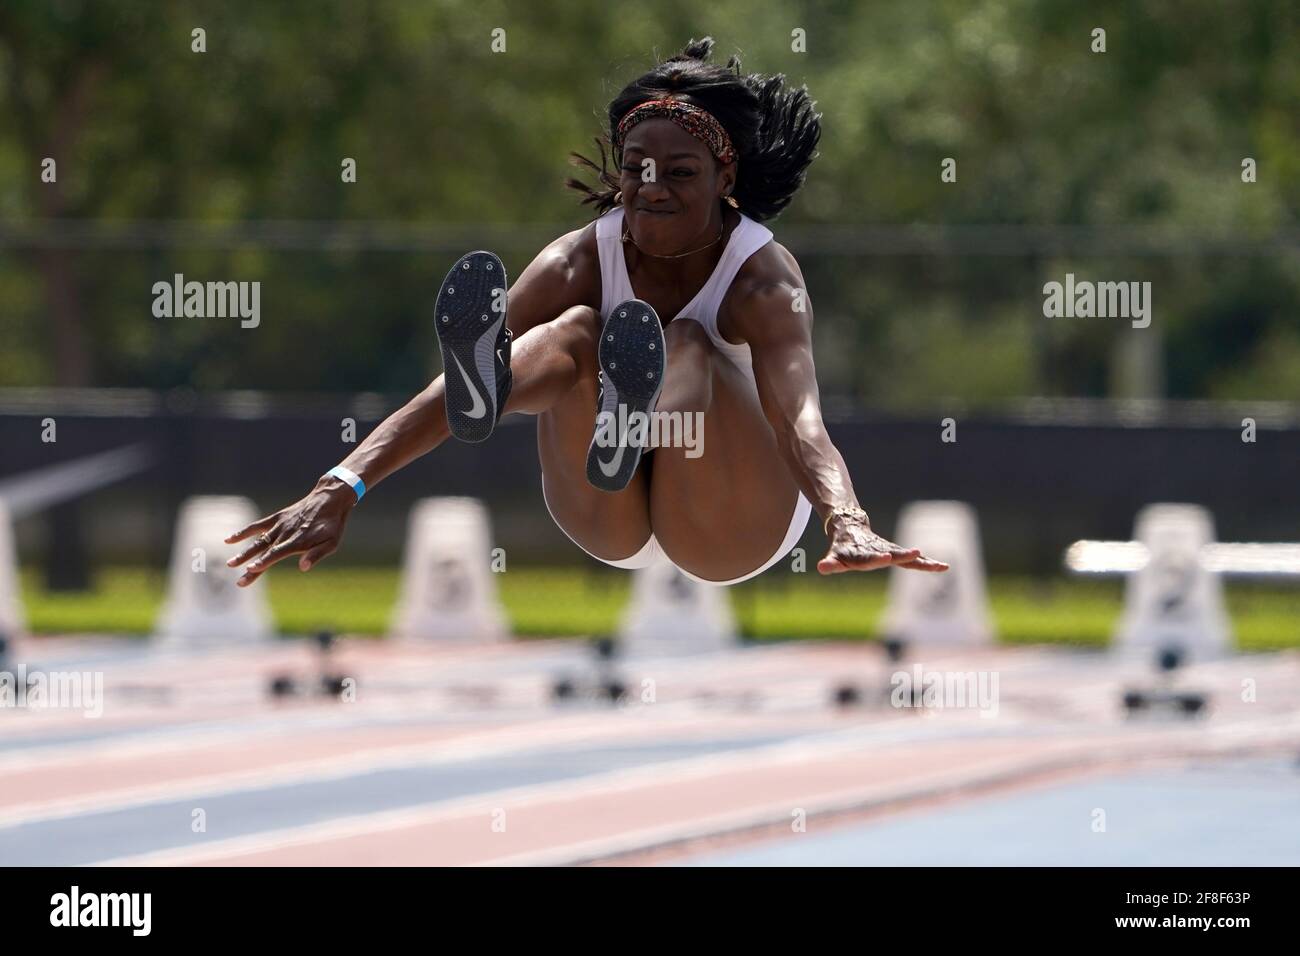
(1121, 165)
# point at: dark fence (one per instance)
(1041, 474)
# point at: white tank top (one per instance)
(615, 285)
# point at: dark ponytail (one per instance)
(774, 129)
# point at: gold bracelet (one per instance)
(847, 512)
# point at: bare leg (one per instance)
(554, 366)
(718, 516)
(724, 513)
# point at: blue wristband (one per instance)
(351, 477)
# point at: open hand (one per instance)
(855, 547)
(313, 525)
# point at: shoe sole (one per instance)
(467, 327)
(632, 357)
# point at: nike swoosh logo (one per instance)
(480, 407)
(612, 467)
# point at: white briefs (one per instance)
(651, 549)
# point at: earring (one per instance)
(732, 201)
(618, 196)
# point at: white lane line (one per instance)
(938, 780)
(1069, 754)
(558, 734)
(600, 784)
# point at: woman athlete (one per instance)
(674, 299)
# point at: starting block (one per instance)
(1174, 596)
(447, 591)
(203, 602)
(671, 615)
(325, 682)
(668, 615)
(1173, 601)
(1165, 696)
(948, 608)
(605, 684)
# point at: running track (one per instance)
(457, 755)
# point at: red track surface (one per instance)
(457, 756)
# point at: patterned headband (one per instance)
(700, 123)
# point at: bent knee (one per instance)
(578, 329)
(580, 320)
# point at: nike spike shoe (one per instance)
(470, 316)
(632, 358)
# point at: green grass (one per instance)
(566, 601)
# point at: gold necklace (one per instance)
(627, 237)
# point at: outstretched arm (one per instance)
(780, 343)
(313, 525)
